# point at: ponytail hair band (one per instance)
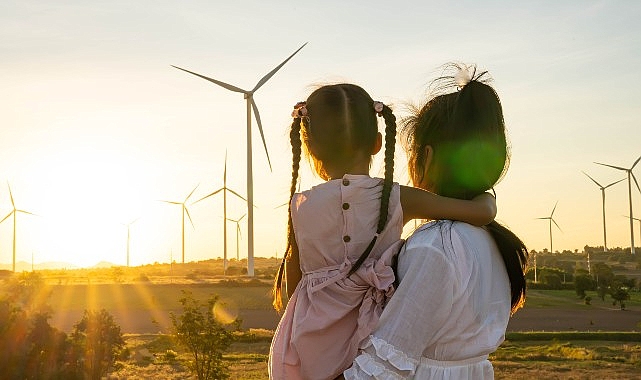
(300, 110)
(378, 107)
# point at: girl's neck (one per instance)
(357, 169)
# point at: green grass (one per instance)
(569, 300)
(532, 355)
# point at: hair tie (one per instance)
(462, 77)
(378, 107)
(300, 110)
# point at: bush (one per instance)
(97, 341)
(204, 337)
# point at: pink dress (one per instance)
(330, 314)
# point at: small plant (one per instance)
(587, 300)
(204, 336)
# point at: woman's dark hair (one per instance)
(466, 132)
(339, 127)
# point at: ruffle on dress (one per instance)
(367, 364)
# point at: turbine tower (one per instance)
(605, 240)
(237, 221)
(128, 225)
(224, 189)
(251, 104)
(14, 212)
(184, 211)
(551, 220)
(630, 177)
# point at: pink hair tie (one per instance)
(378, 107)
(300, 110)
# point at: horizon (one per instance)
(97, 127)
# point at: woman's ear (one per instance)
(378, 144)
(429, 154)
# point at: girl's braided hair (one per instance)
(338, 122)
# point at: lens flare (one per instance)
(225, 311)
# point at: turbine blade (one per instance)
(189, 216)
(221, 84)
(11, 195)
(6, 217)
(238, 195)
(635, 181)
(557, 226)
(190, 194)
(612, 166)
(271, 73)
(171, 202)
(241, 218)
(240, 234)
(546, 218)
(26, 212)
(635, 163)
(614, 183)
(260, 129)
(212, 194)
(557, 202)
(225, 171)
(593, 180)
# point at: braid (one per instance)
(292, 247)
(390, 143)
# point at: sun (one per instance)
(84, 200)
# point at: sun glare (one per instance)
(85, 200)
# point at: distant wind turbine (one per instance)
(630, 177)
(14, 212)
(224, 189)
(237, 221)
(551, 220)
(251, 104)
(128, 225)
(605, 240)
(184, 211)
(638, 220)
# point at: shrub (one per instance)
(204, 337)
(97, 341)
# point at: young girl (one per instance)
(344, 233)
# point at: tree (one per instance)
(582, 283)
(97, 340)
(204, 336)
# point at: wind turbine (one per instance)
(224, 189)
(14, 212)
(638, 220)
(251, 104)
(237, 221)
(551, 219)
(630, 175)
(128, 225)
(605, 244)
(184, 211)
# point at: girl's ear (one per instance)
(378, 144)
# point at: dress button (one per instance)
(346, 238)
(345, 206)
(345, 182)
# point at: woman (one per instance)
(459, 284)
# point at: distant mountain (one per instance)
(105, 264)
(23, 266)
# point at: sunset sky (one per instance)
(96, 127)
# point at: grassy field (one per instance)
(140, 301)
(546, 356)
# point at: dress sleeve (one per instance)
(412, 319)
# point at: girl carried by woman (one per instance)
(343, 234)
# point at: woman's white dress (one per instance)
(449, 312)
